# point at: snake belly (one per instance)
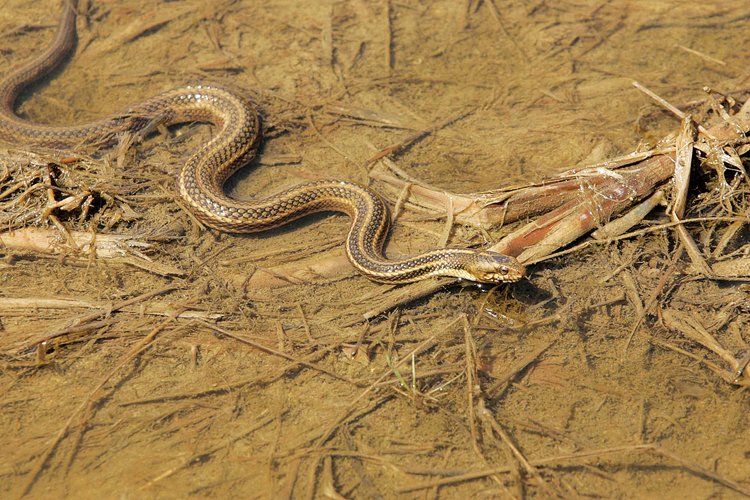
(200, 182)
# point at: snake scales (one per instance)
(200, 181)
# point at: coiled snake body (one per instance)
(200, 181)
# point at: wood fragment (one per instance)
(517, 367)
(448, 227)
(653, 297)
(673, 109)
(276, 352)
(388, 37)
(43, 461)
(691, 327)
(417, 136)
(81, 246)
(530, 469)
(202, 456)
(552, 462)
(17, 306)
(683, 165)
(700, 54)
(470, 371)
(33, 339)
(633, 217)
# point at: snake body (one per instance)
(200, 181)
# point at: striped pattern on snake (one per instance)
(200, 181)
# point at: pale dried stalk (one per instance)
(681, 180)
(623, 224)
(83, 246)
(15, 306)
(690, 327)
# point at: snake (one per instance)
(200, 181)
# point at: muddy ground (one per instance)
(180, 375)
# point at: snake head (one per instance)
(493, 267)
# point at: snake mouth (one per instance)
(201, 179)
(505, 278)
(495, 268)
(505, 275)
(498, 278)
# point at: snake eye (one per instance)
(504, 270)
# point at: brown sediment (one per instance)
(144, 355)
